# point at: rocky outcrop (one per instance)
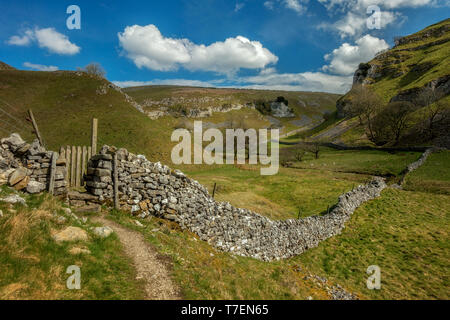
(195, 112)
(26, 166)
(151, 189)
(440, 87)
(281, 110)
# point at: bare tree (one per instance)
(435, 109)
(396, 116)
(365, 105)
(94, 69)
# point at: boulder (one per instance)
(22, 184)
(71, 234)
(13, 199)
(14, 141)
(35, 187)
(103, 232)
(17, 176)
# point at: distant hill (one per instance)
(64, 102)
(4, 66)
(418, 60)
(151, 98)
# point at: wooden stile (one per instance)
(73, 165)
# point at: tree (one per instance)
(395, 117)
(365, 105)
(299, 154)
(435, 110)
(94, 69)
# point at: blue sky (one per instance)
(311, 45)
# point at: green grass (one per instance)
(202, 272)
(433, 176)
(405, 234)
(34, 266)
(370, 162)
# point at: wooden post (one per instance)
(68, 162)
(72, 169)
(94, 136)
(115, 183)
(35, 127)
(51, 185)
(89, 153)
(78, 174)
(214, 189)
(83, 164)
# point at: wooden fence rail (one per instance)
(77, 158)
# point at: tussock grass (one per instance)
(33, 266)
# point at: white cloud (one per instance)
(47, 38)
(239, 6)
(40, 67)
(148, 48)
(306, 81)
(174, 82)
(55, 42)
(354, 21)
(269, 5)
(345, 59)
(296, 5)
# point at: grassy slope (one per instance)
(33, 266)
(402, 59)
(434, 176)
(404, 232)
(63, 104)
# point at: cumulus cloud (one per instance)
(147, 47)
(47, 38)
(345, 59)
(40, 67)
(353, 23)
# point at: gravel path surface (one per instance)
(149, 265)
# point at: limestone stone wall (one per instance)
(26, 166)
(147, 188)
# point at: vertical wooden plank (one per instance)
(89, 153)
(214, 190)
(35, 127)
(68, 162)
(78, 173)
(51, 185)
(62, 153)
(94, 136)
(115, 183)
(83, 164)
(72, 169)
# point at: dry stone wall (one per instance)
(26, 166)
(147, 188)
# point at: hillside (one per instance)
(416, 69)
(4, 66)
(64, 102)
(416, 61)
